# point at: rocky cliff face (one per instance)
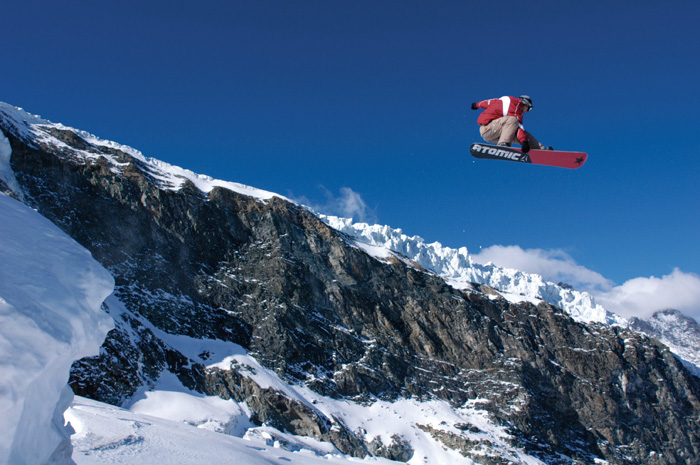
(300, 297)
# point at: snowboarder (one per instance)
(502, 122)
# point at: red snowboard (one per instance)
(558, 158)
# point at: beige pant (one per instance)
(505, 129)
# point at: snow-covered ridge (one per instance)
(460, 271)
(36, 130)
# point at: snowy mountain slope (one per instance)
(317, 317)
(454, 265)
(108, 434)
(146, 433)
(51, 291)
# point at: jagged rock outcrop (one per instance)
(274, 279)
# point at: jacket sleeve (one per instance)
(484, 104)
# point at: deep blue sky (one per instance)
(305, 98)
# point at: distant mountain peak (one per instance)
(676, 330)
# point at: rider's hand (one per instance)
(526, 146)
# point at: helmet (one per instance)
(526, 100)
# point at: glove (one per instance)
(474, 106)
(526, 146)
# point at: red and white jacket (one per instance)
(498, 108)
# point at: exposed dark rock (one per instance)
(271, 407)
(479, 450)
(399, 449)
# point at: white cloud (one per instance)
(639, 297)
(351, 204)
(348, 204)
(554, 265)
